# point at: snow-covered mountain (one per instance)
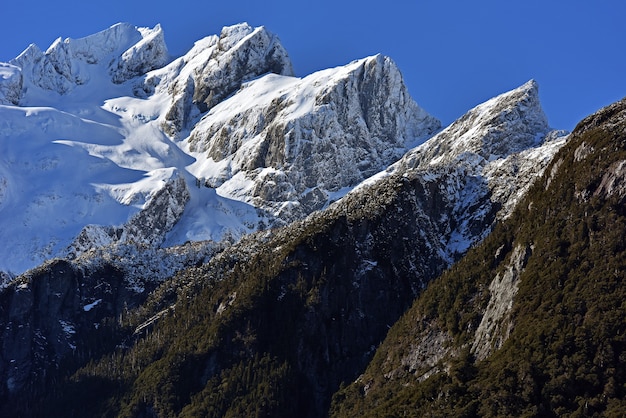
(289, 144)
(108, 141)
(145, 173)
(93, 129)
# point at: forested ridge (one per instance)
(565, 355)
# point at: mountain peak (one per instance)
(69, 63)
(530, 85)
(506, 124)
(215, 68)
(296, 142)
(231, 35)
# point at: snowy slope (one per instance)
(107, 140)
(506, 140)
(481, 164)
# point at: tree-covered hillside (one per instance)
(269, 327)
(557, 346)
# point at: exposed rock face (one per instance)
(496, 324)
(215, 68)
(146, 55)
(162, 212)
(613, 182)
(146, 228)
(510, 178)
(293, 142)
(10, 84)
(241, 53)
(47, 320)
(65, 313)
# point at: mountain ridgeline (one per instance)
(91, 138)
(309, 247)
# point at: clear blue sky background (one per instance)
(454, 54)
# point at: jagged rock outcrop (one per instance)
(292, 142)
(215, 68)
(146, 228)
(509, 178)
(496, 324)
(146, 55)
(10, 85)
(613, 183)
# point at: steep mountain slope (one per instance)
(294, 142)
(483, 162)
(94, 129)
(275, 323)
(531, 322)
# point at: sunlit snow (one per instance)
(81, 151)
(82, 139)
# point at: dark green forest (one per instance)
(566, 354)
(277, 326)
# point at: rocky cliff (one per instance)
(214, 69)
(294, 143)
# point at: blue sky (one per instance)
(453, 54)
